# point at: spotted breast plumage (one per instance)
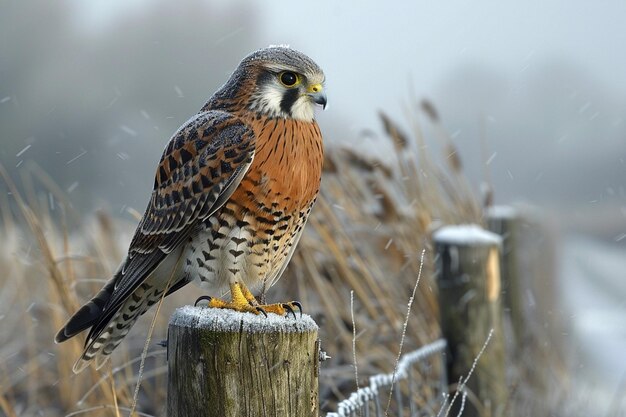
(231, 196)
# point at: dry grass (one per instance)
(366, 234)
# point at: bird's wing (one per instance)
(201, 167)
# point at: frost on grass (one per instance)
(223, 320)
(466, 234)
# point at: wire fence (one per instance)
(419, 384)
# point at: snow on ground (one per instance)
(592, 281)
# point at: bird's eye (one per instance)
(289, 79)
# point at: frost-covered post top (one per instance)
(466, 235)
(224, 320)
(503, 212)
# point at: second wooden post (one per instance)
(505, 222)
(227, 364)
(468, 277)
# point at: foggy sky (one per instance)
(370, 48)
(374, 52)
(537, 89)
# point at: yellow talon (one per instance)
(238, 297)
(242, 300)
(247, 294)
(283, 308)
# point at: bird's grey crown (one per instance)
(279, 58)
(285, 57)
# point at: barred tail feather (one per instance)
(103, 343)
(100, 348)
(87, 315)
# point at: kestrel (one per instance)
(231, 196)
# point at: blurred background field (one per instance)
(530, 105)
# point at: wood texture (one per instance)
(241, 366)
(469, 293)
(506, 223)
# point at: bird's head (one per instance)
(281, 82)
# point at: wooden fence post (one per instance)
(504, 221)
(223, 363)
(468, 273)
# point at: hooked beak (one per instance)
(316, 92)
